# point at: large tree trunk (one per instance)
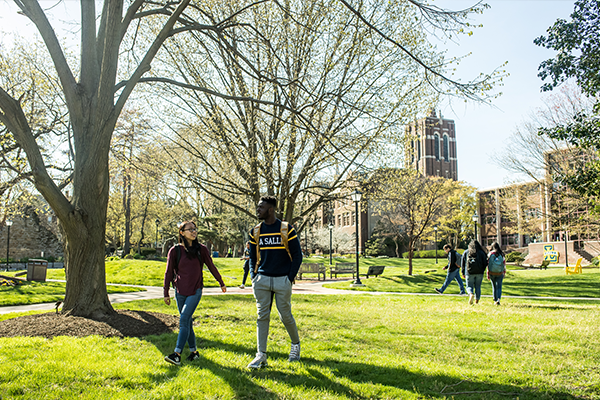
(86, 293)
(84, 228)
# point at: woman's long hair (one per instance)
(473, 247)
(194, 249)
(497, 249)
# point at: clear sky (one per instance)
(509, 28)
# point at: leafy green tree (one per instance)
(410, 200)
(577, 44)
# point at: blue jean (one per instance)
(450, 276)
(474, 284)
(186, 305)
(496, 286)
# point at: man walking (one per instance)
(275, 258)
(453, 270)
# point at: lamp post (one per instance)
(329, 217)
(435, 230)
(356, 195)
(566, 257)
(8, 225)
(156, 242)
(475, 221)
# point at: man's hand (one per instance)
(223, 288)
(167, 301)
(445, 268)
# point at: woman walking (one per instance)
(496, 271)
(184, 270)
(474, 261)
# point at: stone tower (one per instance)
(431, 147)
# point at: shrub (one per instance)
(515, 257)
(112, 258)
(595, 261)
(426, 254)
(146, 251)
(380, 247)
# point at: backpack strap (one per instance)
(256, 235)
(285, 228)
(178, 252)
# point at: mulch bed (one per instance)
(124, 323)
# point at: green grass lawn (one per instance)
(44, 292)
(426, 276)
(353, 347)
(517, 282)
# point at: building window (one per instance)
(508, 240)
(436, 146)
(446, 150)
(488, 240)
(419, 150)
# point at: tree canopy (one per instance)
(578, 48)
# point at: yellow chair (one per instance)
(576, 269)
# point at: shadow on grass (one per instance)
(328, 376)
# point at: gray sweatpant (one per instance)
(265, 287)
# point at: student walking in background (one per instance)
(453, 270)
(184, 269)
(474, 262)
(496, 271)
(275, 258)
(246, 258)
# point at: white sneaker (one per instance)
(259, 361)
(242, 286)
(294, 352)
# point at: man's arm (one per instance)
(296, 252)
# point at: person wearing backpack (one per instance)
(184, 270)
(453, 270)
(474, 263)
(275, 258)
(496, 271)
(246, 258)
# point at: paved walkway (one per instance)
(301, 287)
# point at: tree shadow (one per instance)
(308, 374)
(136, 323)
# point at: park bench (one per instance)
(576, 269)
(375, 270)
(312, 268)
(342, 268)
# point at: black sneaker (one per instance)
(193, 356)
(438, 291)
(173, 359)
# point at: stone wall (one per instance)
(536, 253)
(30, 236)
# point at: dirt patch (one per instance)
(123, 323)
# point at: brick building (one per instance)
(31, 234)
(431, 147)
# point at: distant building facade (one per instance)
(431, 147)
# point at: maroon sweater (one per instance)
(189, 273)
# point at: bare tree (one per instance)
(300, 95)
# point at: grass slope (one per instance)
(353, 347)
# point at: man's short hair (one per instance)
(272, 200)
(447, 247)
